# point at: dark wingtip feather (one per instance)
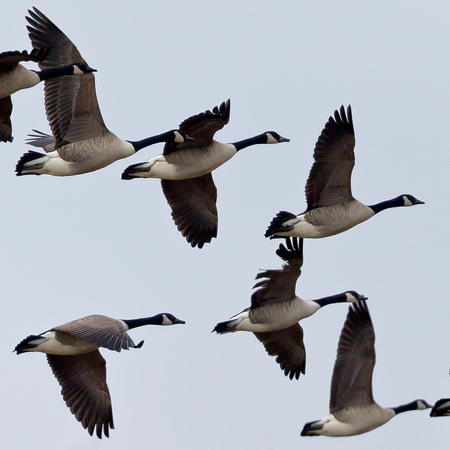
(6, 136)
(292, 251)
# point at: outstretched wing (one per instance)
(287, 345)
(351, 384)
(5, 119)
(329, 180)
(201, 128)
(193, 204)
(9, 60)
(70, 101)
(84, 389)
(279, 285)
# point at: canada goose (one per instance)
(185, 172)
(275, 311)
(82, 141)
(352, 407)
(331, 208)
(73, 355)
(441, 408)
(14, 77)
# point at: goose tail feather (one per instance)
(279, 224)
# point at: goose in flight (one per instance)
(185, 171)
(15, 77)
(73, 355)
(331, 207)
(353, 409)
(82, 142)
(276, 310)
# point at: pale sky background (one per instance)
(93, 243)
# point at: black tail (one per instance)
(278, 224)
(308, 429)
(226, 327)
(126, 175)
(27, 157)
(25, 345)
(221, 328)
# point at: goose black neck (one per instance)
(338, 298)
(403, 408)
(164, 137)
(397, 201)
(260, 139)
(134, 323)
(47, 74)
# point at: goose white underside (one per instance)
(185, 163)
(327, 221)
(80, 157)
(277, 316)
(47, 343)
(362, 420)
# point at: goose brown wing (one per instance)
(201, 128)
(99, 330)
(5, 119)
(287, 345)
(84, 389)
(70, 101)
(193, 204)
(9, 60)
(351, 383)
(329, 180)
(279, 285)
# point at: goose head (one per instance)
(353, 296)
(180, 136)
(410, 200)
(81, 68)
(422, 404)
(274, 138)
(169, 319)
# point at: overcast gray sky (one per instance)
(93, 243)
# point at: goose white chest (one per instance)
(19, 78)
